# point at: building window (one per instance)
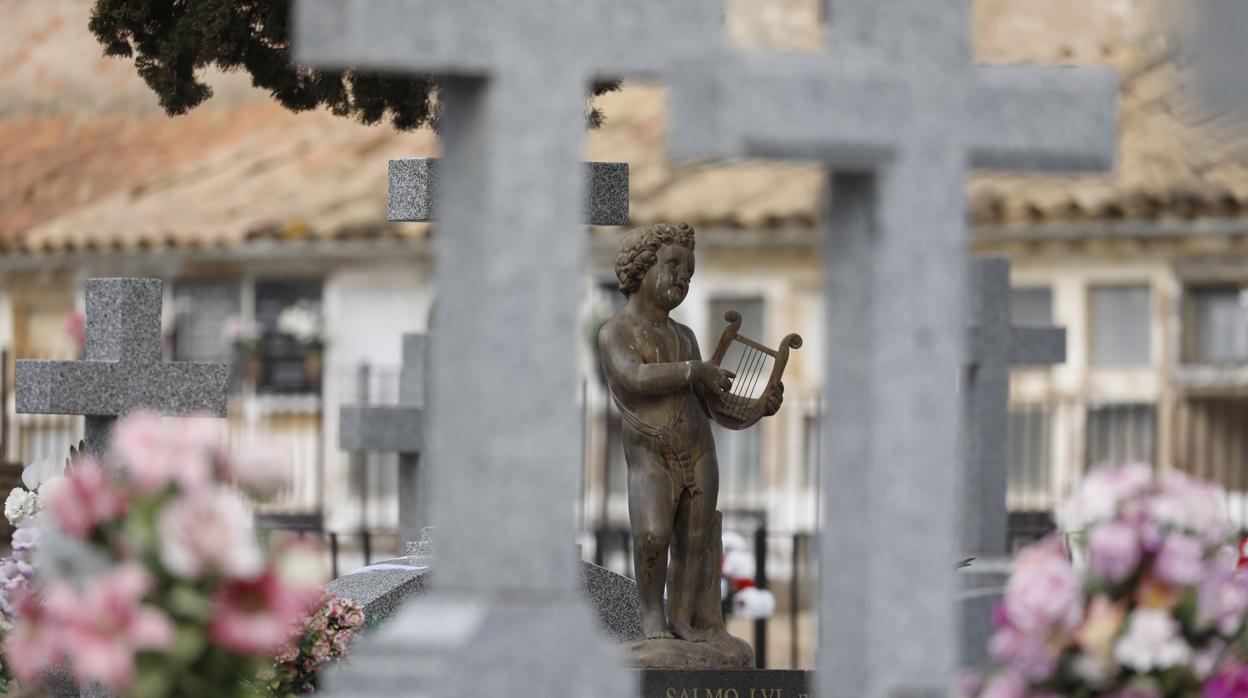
(1030, 483)
(1211, 442)
(288, 316)
(1117, 434)
(1031, 306)
(207, 320)
(1215, 325)
(1119, 326)
(739, 451)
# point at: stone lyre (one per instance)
(741, 409)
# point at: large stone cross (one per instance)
(513, 79)
(122, 370)
(397, 429)
(995, 344)
(898, 113)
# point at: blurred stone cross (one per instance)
(513, 78)
(898, 113)
(122, 369)
(397, 429)
(995, 344)
(413, 182)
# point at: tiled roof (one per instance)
(89, 162)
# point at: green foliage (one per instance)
(172, 41)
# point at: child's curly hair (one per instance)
(639, 251)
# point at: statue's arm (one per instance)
(621, 361)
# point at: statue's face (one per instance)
(666, 283)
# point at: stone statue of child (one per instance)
(667, 396)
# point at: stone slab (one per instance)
(382, 587)
(981, 588)
(413, 183)
(726, 683)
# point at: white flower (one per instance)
(20, 505)
(1152, 641)
(738, 564)
(42, 470)
(734, 541)
(754, 603)
(299, 321)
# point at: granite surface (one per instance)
(413, 184)
(726, 683)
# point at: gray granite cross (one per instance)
(896, 110)
(413, 182)
(513, 78)
(994, 346)
(398, 429)
(122, 370)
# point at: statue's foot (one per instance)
(685, 631)
(655, 628)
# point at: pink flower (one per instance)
(1113, 551)
(33, 643)
(354, 618)
(208, 530)
(255, 616)
(1044, 591)
(86, 498)
(1192, 505)
(1180, 560)
(1024, 654)
(1102, 490)
(1231, 682)
(1222, 594)
(106, 624)
(157, 452)
(1005, 685)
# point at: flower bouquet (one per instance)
(324, 637)
(149, 578)
(1152, 604)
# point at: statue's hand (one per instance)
(775, 399)
(717, 380)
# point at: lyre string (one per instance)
(755, 373)
(754, 368)
(735, 395)
(736, 372)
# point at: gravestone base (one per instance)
(981, 588)
(450, 644)
(726, 683)
(725, 652)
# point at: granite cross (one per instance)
(898, 113)
(994, 345)
(413, 182)
(122, 370)
(513, 78)
(398, 429)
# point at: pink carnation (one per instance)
(1230, 682)
(33, 643)
(103, 627)
(84, 499)
(1113, 551)
(1005, 685)
(1180, 560)
(157, 452)
(1024, 654)
(255, 616)
(208, 530)
(1044, 591)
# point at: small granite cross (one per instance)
(898, 113)
(400, 429)
(994, 345)
(122, 370)
(513, 78)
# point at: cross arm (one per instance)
(1037, 345)
(413, 182)
(109, 388)
(380, 428)
(802, 107)
(1043, 118)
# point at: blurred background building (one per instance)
(269, 231)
